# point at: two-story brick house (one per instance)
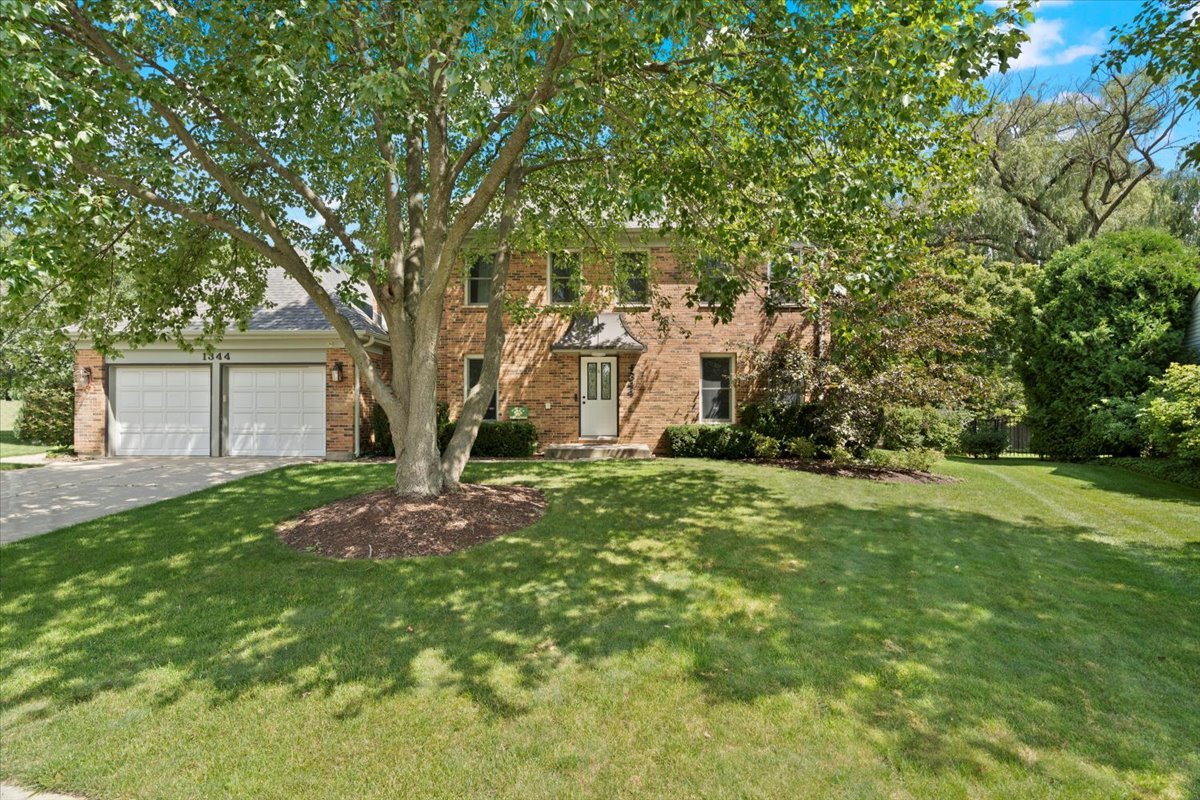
(618, 376)
(286, 386)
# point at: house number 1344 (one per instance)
(216, 356)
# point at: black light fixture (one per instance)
(336, 373)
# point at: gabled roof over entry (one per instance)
(599, 332)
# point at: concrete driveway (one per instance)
(42, 499)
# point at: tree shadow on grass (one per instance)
(1105, 478)
(959, 635)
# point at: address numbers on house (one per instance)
(215, 356)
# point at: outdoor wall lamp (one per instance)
(336, 373)
(85, 376)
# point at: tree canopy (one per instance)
(173, 150)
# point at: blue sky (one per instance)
(1065, 38)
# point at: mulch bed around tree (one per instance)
(384, 525)
(861, 471)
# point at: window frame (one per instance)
(775, 296)
(467, 359)
(470, 281)
(703, 302)
(550, 277)
(622, 302)
(731, 358)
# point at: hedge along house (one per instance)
(615, 377)
(284, 386)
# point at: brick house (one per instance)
(286, 386)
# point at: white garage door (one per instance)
(276, 411)
(161, 411)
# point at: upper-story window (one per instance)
(566, 277)
(479, 280)
(712, 277)
(632, 278)
(785, 280)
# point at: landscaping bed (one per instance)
(383, 524)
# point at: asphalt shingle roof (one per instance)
(287, 307)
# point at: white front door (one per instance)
(276, 411)
(160, 411)
(597, 396)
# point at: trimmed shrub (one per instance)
(382, 430)
(1108, 315)
(1172, 415)
(983, 443)
(47, 416)
(710, 441)
(778, 420)
(1114, 428)
(908, 428)
(903, 428)
(1165, 469)
(917, 459)
(842, 457)
(943, 429)
(497, 439)
(765, 446)
(800, 447)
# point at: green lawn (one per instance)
(9, 446)
(669, 629)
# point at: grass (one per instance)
(669, 629)
(9, 445)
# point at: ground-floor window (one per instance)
(716, 388)
(471, 375)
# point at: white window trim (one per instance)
(732, 359)
(466, 382)
(550, 276)
(467, 284)
(617, 303)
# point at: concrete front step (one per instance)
(596, 452)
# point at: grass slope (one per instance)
(669, 629)
(9, 445)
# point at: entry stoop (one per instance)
(596, 452)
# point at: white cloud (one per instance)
(1048, 48)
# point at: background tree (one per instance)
(197, 136)
(1063, 166)
(1176, 205)
(1165, 37)
(1107, 316)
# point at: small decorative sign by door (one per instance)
(598, 396)
(518, 412)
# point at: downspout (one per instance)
(357, 415)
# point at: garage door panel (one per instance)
(276, 411)
(161, 411)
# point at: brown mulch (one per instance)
(861, 471)
(384, 525)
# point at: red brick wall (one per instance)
(339, 406)
(91, 406)
(383, 365)
(666, 378)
